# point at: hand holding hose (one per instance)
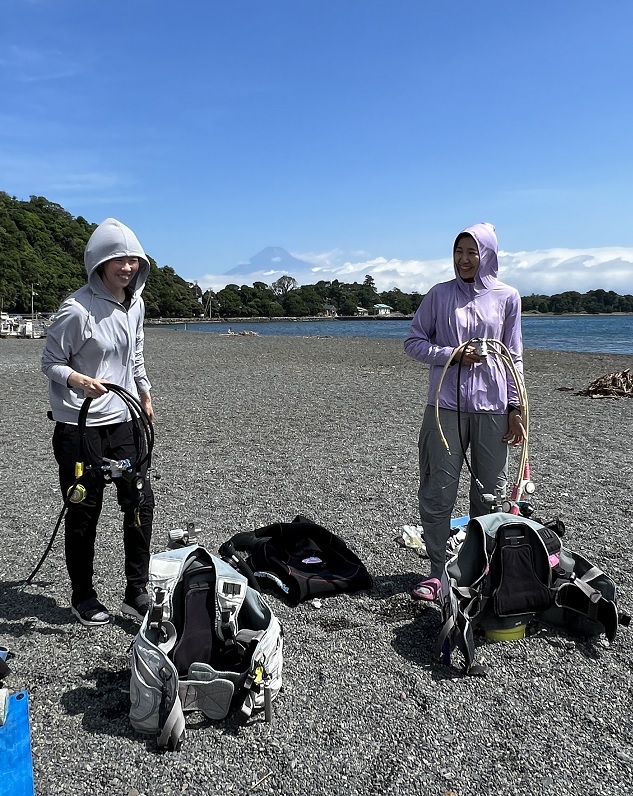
(466, 356)
(92, 388)
(516, 433)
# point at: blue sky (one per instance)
(349, 132)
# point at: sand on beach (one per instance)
(253, 430)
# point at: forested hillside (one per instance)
(41, 250)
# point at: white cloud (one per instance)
(545, 271)
(28, 65)
(66, 178)
(557, 270)
(319, 259)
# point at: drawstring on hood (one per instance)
(486, 240)
(109, 240)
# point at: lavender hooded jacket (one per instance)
(94, 334)
(456, 311)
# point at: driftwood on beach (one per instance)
(613, 385)
(248, 435)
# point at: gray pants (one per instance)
(440, 471)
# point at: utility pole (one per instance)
(33, 294)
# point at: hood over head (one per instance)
(113, 239)
(486, 239)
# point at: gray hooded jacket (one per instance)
(92, 333)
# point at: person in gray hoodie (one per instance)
(96, 338)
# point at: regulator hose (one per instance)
(498, 349)
(144, 442)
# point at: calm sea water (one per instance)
(608, 334)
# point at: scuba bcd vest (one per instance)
(209, 642)
(510, 570)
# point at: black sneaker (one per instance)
(91, 613)
(136, 605)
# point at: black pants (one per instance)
(114, 442)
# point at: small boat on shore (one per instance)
(15, 326)
(9, 325)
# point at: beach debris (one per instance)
(411, 536)
(612, 385)
(455, 541)
(259, 781)
(243, 333)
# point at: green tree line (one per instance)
(593, 302)
(286, 298)
(41, 260)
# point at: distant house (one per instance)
(361, 311)
(382, 309)
(329, 310)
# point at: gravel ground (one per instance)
(252, 430)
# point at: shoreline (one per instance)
(380, 318)
(574, 335)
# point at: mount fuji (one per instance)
(273, 261)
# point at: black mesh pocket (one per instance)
(196, 637)
(520, 591)
(198, 641)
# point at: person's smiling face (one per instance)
(118, 273)
(466, 258)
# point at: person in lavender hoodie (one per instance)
(475, 304)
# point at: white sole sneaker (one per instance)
(131, 610)
(99, 614)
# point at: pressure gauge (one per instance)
(529, 487)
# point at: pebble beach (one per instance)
(252, 430)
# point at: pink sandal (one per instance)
(428, 589)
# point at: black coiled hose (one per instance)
(143, 438)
